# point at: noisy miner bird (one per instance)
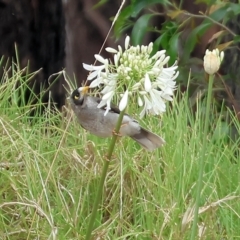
(93, 120)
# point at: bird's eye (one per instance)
(76, 97)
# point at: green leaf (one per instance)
(140, 29)
(123, 22)
(139, 5)
(100, 3)
(173, 47)
(158, 42)
(132, 11)
(194, 36)
(236, 39)
(227, 12)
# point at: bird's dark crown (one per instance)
(76, 97)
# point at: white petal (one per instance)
(216, 52)
(88, 67)
(165, 61)
(107, 109)
(111, 50)
(147, 103)
(119, 49)
(124, 101)
(92, 75)
(146, 108)
(116, 58)
(143, 92)
(147, 83)
(150, 48)
(157, 102)
(157, 63)
(107, 103)
(221, 56)
(100, 58)
(110, 85)
(140, 102)
(102, 103)
(143, 49)
(167, 97)
(158, 54)
(127, 40)
(136, 86)
(95, 83)
(108, 95)
(142, 113)
(108, 88)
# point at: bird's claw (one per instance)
(119, 134)
(116, 134)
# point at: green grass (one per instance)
(50, 169)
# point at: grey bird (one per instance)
(93, 120)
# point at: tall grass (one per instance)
(50, 169)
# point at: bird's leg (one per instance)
(116, 134)
(119, 134)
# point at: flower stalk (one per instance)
(202, 159)
(103, 177)
(211, 64)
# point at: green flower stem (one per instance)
(103, 177)
(201, 161)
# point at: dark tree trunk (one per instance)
(37, 29)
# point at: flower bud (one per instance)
(111, 50)
(124, 101)
(100, 58)
(127, 40)
(140, 102)
(147, 83)
(212, 61)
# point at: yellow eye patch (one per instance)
(76, 97)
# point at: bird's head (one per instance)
(78, 95)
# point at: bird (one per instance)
(93, 120)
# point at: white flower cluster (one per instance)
(135, 73)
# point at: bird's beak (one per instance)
(83, 90)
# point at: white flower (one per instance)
(212, 61)
(146, 77)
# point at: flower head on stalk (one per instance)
(134, 73)
(212, 61)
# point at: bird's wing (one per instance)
(114, 108)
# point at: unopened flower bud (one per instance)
(140, 102)
(124, 101)
(147, 83)
(127, 40)
(212, 61)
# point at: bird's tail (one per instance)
(148, 140)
